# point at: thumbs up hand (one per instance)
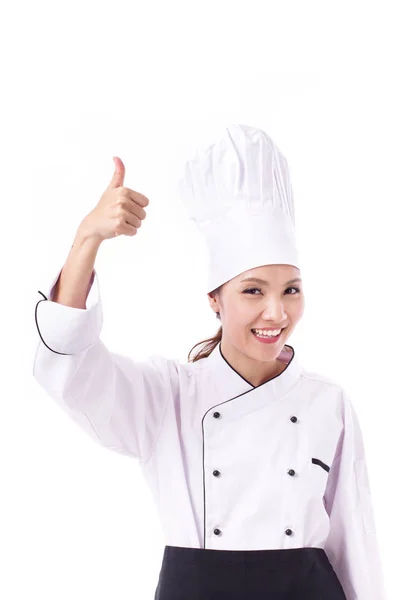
(119, 211)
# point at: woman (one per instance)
(257, 466)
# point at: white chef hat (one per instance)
(238, 192)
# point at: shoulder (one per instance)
(321, 379)
(325, 389)
(175, 368)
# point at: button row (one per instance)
(217, 473)
(219, 532)
(217, 415)
(291, 472)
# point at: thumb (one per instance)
(119, 173)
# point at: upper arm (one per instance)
(119, 402)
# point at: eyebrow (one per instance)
(266, 282)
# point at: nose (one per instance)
(274, 311)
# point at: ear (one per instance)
(213, 302)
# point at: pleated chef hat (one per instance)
(238, 192)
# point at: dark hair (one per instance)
(209, 344)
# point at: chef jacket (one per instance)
(231, 466)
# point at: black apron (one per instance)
(286, 574)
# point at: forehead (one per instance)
(270, 273)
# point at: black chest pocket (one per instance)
(319, 475)
(317, 461)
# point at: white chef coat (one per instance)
(230, 466)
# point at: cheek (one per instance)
(297, 311)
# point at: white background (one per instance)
(83, 82)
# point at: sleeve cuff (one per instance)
(67, 330)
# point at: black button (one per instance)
(217, 414)
(293, 419)
(291, 472)
(216, 473)
(288, 532)
(217, 531)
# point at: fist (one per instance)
(120, 210)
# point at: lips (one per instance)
(267, 339)
(264, 339)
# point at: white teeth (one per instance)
(267, 334)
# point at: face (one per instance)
(273, 302)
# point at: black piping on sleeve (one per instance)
(37, 327)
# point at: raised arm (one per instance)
(119, 402)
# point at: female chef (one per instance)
(256, 465)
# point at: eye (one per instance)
(294, 288)
(297, 290)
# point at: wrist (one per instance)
(84, 236)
